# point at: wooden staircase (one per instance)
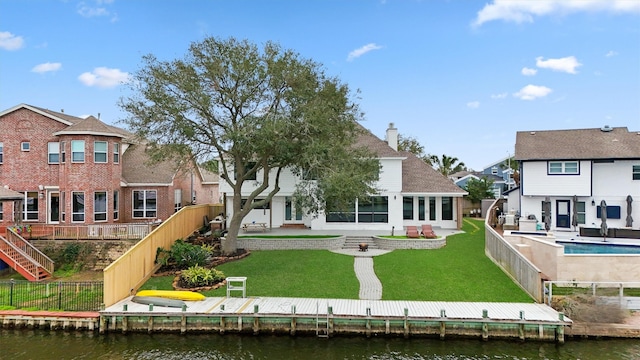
(23, 257)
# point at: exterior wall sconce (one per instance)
(593, 202)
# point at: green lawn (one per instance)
(458, 272)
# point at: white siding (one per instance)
(536, 181)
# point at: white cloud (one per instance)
(532, 92)
(528, 72)
(46, 67)
(499, 96)
(473, 104)
(97, 9)
(363, 50)
(520, 11)
(566, 64)
(10, 42)
(104, 77)
(611, 53)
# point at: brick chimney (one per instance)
(392, 137)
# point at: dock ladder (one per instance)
(322, 323)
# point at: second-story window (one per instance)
(53, 152)
(116, 153)
(635, 176)
(1, 153)
(77, 151)
(100, 152)
(25, 146)
(63, 151)
(563, 167)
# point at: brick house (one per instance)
(72, 171)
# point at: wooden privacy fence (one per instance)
(518, 267)
(136, 266)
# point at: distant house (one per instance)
(71, 170)
(412, 193)
(591, 164)
(502, 178)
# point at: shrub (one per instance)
(183, 255)
(198, 276)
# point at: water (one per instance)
(44, 344)
(584, 248)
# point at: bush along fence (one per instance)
(62, 296)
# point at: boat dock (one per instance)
(331, 317)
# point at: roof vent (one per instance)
(606, 128)
(532, 133)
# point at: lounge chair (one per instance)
(412, 232)
(427, 232)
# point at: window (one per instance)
(580, 210)
(1, 213)
(421, 214)
(144, 203)
(77, 206)
(494, 170)
(373, 210)
(635, 171)
(100, 152)
(30, 206)
(116, 205)
(77, 151)
(177, 200)
(1, 153)
(613, 212)
(347, 215)
(63, 151)
(432, 208)
(407, 208)
(100, 206)
(447, 208)
(563, 167)
(54, 152)
(116, 153)
(248, 167)
(25, 146)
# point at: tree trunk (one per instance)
(230, 245)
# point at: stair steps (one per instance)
(353, 242)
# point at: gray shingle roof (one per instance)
(93, 126)
(375, 144)
(136, 168)
(578, 144)
(420, 177)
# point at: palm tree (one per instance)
(447, 164)
(512, 164)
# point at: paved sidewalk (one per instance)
(370, 285)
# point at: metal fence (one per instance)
(626, 294)
(63, 296)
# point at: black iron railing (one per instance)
(63, 296)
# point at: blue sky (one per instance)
(460, 76)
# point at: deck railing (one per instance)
(137, 265)
(92, 232)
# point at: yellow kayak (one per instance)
(172, 294)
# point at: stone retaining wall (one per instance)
(392, 244)
(97, 254)
(291, 243)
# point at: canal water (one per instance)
(45, 344)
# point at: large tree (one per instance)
(256, 111)
(447, 165)
(412, 145)
(479, 189)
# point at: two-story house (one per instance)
(576, 170)
(71, 170)
(412, 193)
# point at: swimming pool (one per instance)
(595, 248)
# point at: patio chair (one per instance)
(412, 232)
(427, 232)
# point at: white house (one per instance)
(412, 193)
(590, 164)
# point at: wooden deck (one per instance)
(341, 316)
